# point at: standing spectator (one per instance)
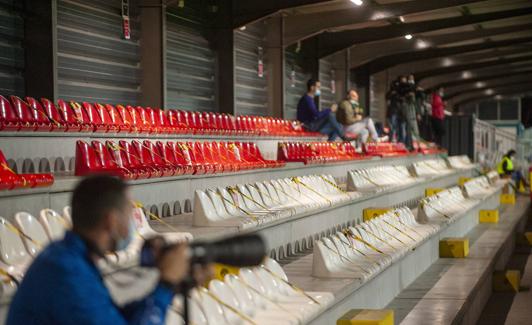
(318, 121)
(438, 116)
(410, 110)
(394, 116)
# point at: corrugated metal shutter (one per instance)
(251, 91)
(11, 51)
(326, 78)
(94, 62)
(190, 66)
(296, 88)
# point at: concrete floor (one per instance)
(513, 308)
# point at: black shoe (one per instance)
(348, 139)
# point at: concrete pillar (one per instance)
(275, 65)
(153, 52)
(40, 43)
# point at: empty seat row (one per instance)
(445, 206)
(21, 242)
(385, 149)
(9, 179)
(460, 162)
(260, 295)
(317, 152)
(146, 159)
(478, 188)
(29, 114)
(380, 178)
(431, 168)
(360, 252)
(250, 205)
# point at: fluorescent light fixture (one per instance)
(421, 44)
(447, 62)
(402, 19)
(480, 84)
(489, 92)
(358, 2)
(243, 28)
(466, 75)
(409, 36)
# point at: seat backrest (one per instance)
(37, 238)
(38, 111)
(23, 111)
(12, 250)
(86, 159)
(92, 113)
(141, 222)
(52, 111)
(7, 112)
(54, 224)
(67, 213)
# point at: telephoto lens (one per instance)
(240, 251)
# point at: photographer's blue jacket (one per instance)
(63, 286)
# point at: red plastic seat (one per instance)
(183, 161)
(177, 122)
(81, 116)
(186, 156)
(210, 157)
(129, 159)
(95, 118)
(23, 180)
(67, 115)
(109, 163)
(59, 124)
(9, 121)
(129, 125)
(161, 120)
(197, 155)
(135, 119)
(144, 120)
(151, 157)
(32, 117)
(168, 156)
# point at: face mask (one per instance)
(353, 102)
(318, 92)
(411, 82)
(123, 243)
(441, 93)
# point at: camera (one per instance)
(240, 251)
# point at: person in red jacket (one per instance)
(438, 116)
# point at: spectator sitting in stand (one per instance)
(351, 115)
(318, 121)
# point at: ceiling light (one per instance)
(421, 44)
(480, 84)
(489, 92)
(466, 75)
(402, 19)
(357, 2)
(447, 62)
(243, 28)
(409, 36)
(498, 97)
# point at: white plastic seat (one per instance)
(54, 224)
(35, 238)
(13, 253)
(67, 213)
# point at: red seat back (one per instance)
(8, 118)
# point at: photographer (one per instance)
(64, 285)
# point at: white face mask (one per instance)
(353, 102)
(318, 92)
(123, 243)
